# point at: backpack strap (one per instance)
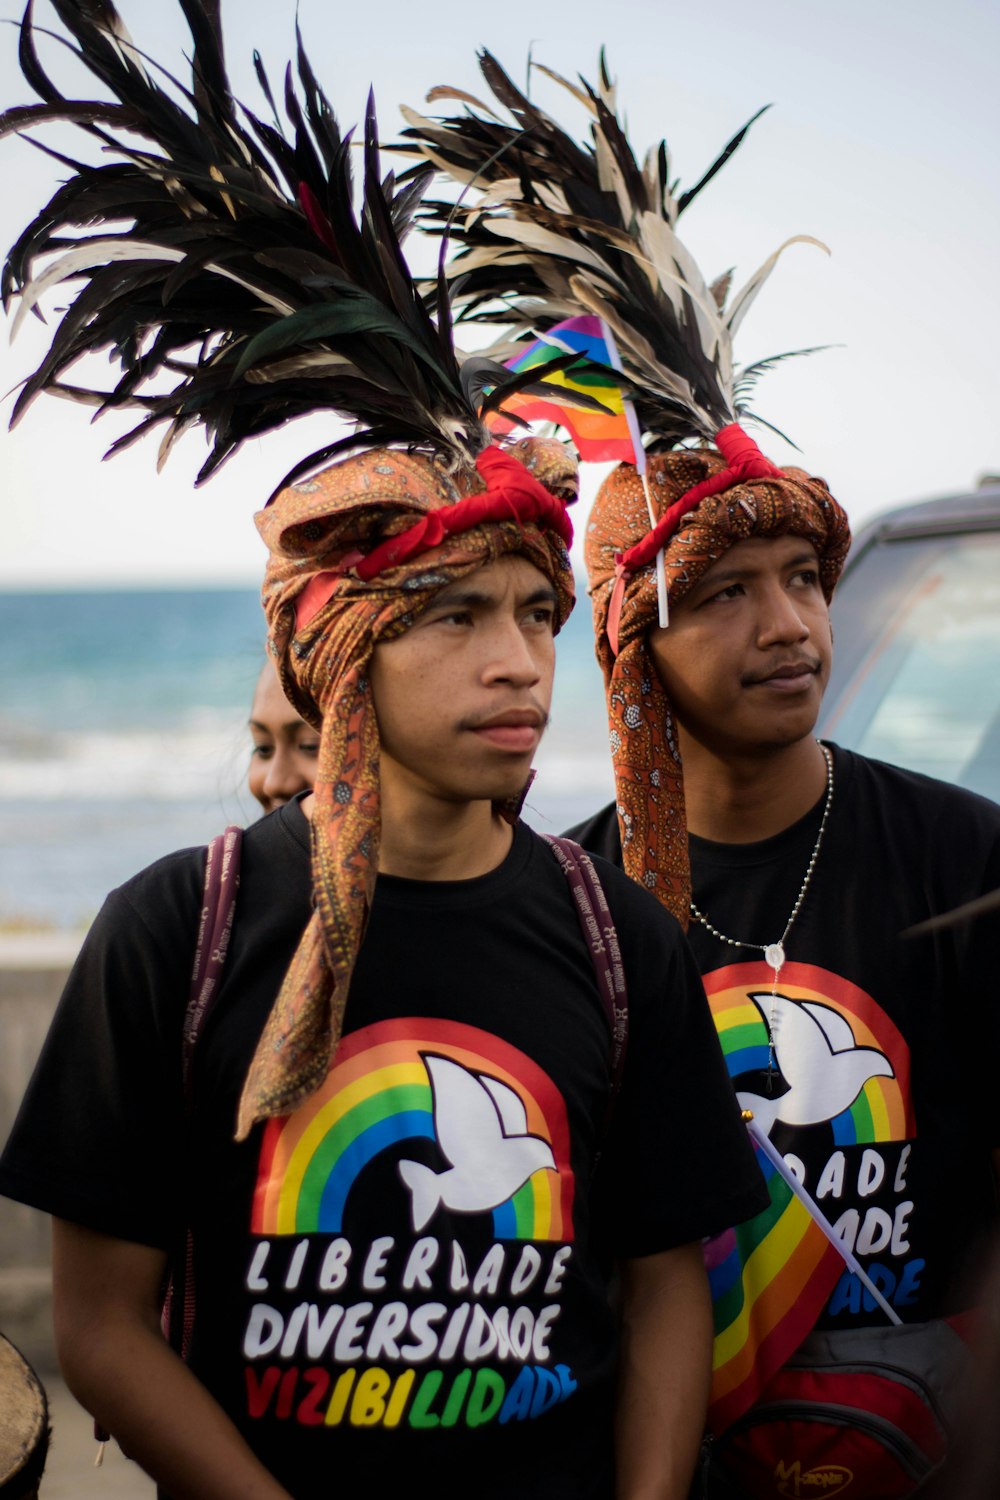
(601, 938)
(218, 908)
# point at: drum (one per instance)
(24, 1426)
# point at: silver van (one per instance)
(916, 616)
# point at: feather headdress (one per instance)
(226, 271)
(222, 265)
(554, 228)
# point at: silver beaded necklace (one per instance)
(774, 953)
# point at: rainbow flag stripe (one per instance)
(761, 1318)
(378, 1094)
(599, 436)
(772, 1276)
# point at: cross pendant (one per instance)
(774, 957)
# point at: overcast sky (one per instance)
(883, 143)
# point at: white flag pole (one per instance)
(640, 468)
(813, 1209)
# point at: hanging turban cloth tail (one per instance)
(355, 554)
(706, 502)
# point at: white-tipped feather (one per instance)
(94, 253)
(741, 302)
(570, 88)
(302, 366)
(170, 438)
(594, 233)
(525, 232)
(448, 92)
(100, 252)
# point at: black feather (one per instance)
(221, 263)
(577, 226)
(719, 162)
(748, 375)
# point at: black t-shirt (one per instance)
(406, 1276)
(886, 1103)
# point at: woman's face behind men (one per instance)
(283, 759)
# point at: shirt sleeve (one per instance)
(99, 1136)
(678, 1164)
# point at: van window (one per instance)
(922, 682)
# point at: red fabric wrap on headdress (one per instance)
(744, 460)
(324, 621)
(511, 494)
(649, 786)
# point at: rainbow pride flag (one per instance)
(599, 436)
(770, 1279)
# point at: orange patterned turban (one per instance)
(355, 554)
(649, 782)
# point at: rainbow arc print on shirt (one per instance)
(772, 1276)
(379, 1094)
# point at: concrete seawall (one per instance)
(33, 970)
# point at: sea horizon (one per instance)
(123, 736)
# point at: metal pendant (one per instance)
(774, 957)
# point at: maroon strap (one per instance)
(601, 937)
(218, 907)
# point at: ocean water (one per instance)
(123, 736)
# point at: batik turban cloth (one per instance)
(649, 785)
(324, 619)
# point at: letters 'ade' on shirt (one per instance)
(405, 1279)
(886, 1045)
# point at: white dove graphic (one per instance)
(817, 1055)
(481, 1127)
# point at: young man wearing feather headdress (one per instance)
(860, 1050)
(397, 1270)
(861, 1053)
(399, 1266)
